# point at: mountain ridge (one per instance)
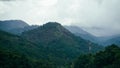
(15, 26)
(50, 41)
(82, 33)
(55, 32)
(18, 26)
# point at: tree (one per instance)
(109, 58)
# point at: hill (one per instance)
(55, 32)
(15, 26)
(105, 41)
(113, 40)
(59, 42)
(16, 52)
(51, 43)
(80, 32)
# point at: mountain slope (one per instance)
(15, 43)
(59, 41)
(80, 32)
(105, 41)
(109, 40)
(114, 40)
(15, 26)
(12, 24)
(16, 52)
(56, 53)
(50, 42)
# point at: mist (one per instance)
(99, 17)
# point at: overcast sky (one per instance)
(99, 17)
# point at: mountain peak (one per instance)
(48, 32)
(52, 25)
(13, 24)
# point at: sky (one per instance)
(99, 17)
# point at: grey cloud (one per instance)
(7, 0)
(100, 1)
(100, 17)
(10, 0)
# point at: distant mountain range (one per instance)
(18, 26)
(80, 32)
(99, 40)
(51, 42)
(50, 45)
(15, 26)
(110, 40)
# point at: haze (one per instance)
(99, 17)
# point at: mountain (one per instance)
(12, 24)
(15, 26)
(112, 40)
(54, 32)
(105, 41)
(51, 45)
(80, 32)
(47, 46)
(16, 52)
(18, 26)
(59, 42)
(108, 40)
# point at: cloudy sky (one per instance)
(99, 17)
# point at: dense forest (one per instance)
(15, 60)
(53, 46)
(108, 58)
(16, 52)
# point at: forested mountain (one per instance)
(51, 43)
(15, 26)
(80, 32)
(53, 32)
(109, 58)
(16, 52)
(18, 26)
(105, 41)
(111, 40)
(12, 24)
(52, 46)
(59, 42)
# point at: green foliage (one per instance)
(109, 58)
(48, 45)
(61, 45)
(16, 52)
(13, 60)
(84, 61)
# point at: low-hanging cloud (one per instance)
(11, 0)
(87, 14)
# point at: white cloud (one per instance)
(103, 14)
